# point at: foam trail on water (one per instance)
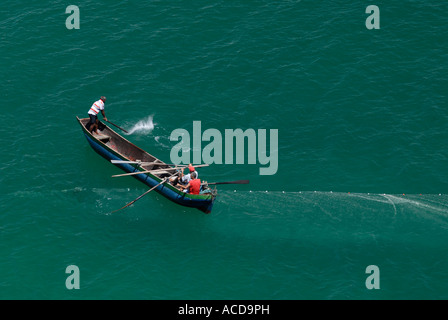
(143, 126)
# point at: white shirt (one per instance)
(187, 178)
(96, 107)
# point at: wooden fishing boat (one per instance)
(132, 159)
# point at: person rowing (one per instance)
(194, 186)
(183, 179)
(97, 107)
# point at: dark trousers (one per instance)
(93, 119)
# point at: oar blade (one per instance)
(141, 196)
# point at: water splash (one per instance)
(143, 126)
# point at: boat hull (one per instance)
(203, 202)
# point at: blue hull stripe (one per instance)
(204, 205)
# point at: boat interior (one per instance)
(131, 151)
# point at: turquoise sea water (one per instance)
(362, 158)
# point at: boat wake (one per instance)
(143, 126)
(342, 206)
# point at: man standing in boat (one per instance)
(96, 107)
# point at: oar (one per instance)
(116, 126)
(139, 162)
(154, 171)
(138, 198)
(149, 163)
(229, 182)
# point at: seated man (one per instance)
(185, 179)
(182, 180)
(194, 185)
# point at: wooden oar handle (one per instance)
(116, 125)
(229, 182)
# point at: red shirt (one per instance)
(195, 186)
